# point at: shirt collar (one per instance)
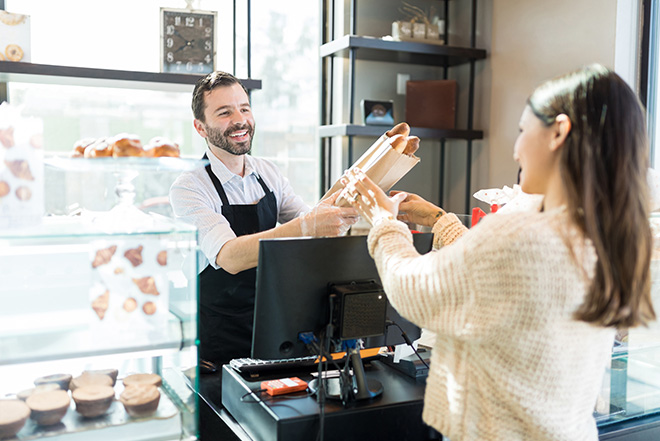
(223, 173)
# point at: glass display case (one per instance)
(106, 290)
(631, 387)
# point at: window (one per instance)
(650, 78)
(124, 35)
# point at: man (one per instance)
(235, 201)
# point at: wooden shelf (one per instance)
(377, 49)
(85, 76)
(375, 131)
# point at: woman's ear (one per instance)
(199, 126)
(562, 127)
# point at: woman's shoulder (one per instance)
(527, 225)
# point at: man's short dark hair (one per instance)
(208, 83)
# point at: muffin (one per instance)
(148, 379)
(140, 399)
(91, 379)
(93, 401)
(13, 415)
(62, 380)
(112, 373)
(48, 387)
(48, 408)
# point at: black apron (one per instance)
(226, 308)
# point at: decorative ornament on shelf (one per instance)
(419, 25)
(188, 40)
(14, 37)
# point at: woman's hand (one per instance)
(368, 199)
(416, 210)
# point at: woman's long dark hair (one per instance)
(604, 164)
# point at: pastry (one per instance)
(126, 145)
(140, 399)
(80, 146)
(399, 129)
(147, 285)
(91, 379)
(20, 168)
(160, 146)
(13, 415)
(4, 189)
(13, 52)
(23, 193)
(2, 57)
(149, 308)
(12, 19)
(130, 304)
(62, 380)
(101, 148)
(48, 408)
(7, 137)
(24, 394)
(134, 255)
(398, 143)
(412, 145)
(112, 373)
(93, 401)
(100, 304)
(148, 379)
(103, 256)
(161, 258)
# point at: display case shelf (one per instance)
(378, 49)
(52, 322)
(85, 76)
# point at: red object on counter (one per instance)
(477, 214)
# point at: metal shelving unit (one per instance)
(355, 48)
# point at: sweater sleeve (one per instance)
(468, 289)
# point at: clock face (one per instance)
(187, 41)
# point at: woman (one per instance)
(525, 305)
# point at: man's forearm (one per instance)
(242, 253)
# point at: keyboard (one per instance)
(253, 367)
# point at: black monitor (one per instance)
(294, 279)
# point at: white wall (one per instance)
(533, 41)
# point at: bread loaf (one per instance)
(399, 129)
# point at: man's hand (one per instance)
(327, 220)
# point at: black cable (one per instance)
(250, 393)
(407, 340)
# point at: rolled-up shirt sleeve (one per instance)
(193, 204)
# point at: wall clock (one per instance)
(187, 41)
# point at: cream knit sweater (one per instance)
(509, 362)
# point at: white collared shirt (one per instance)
(195, 200)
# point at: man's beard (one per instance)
(223, 141)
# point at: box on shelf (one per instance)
(431, 103)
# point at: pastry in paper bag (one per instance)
(388, 160)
